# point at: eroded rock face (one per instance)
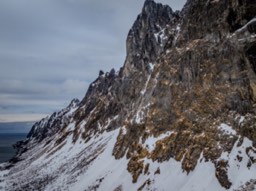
(202, 79)
(148, 36)
(186, 92)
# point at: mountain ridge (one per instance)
(181, 108)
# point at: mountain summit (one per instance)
(178, 116)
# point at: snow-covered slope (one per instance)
(178, 116)
(91, 166)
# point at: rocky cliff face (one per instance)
(148, 36)
(181, 109)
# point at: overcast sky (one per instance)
(51, 50)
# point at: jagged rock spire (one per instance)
(145, 40)
(147, 2)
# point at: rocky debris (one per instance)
(221, 173)
(146, 183)
(135, 167)
(146, 169)
(157, 171)
(249, 186)
(251, 152)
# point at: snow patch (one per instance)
(3, 176)
(143, 91)
(106, 169)
(160, 36)
(247, 38)
(139, 117)
(226, 129)
(150, 142)
(252, 154)
(238, 171)
(178, 30)
(241, 120)
(173, 178)
(71, 126)
(72, 110)
(124, 131)
(242, 29)
(151, 66)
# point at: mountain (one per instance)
(179, 115)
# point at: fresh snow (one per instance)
(71, 126)
(143, 91)
(160, 35)
(238, 172)
(247, 38)
(150, 142)
(173, 178)
(139, 117)
(109, 174)
(140, 112)
(99, 169)
(87, 166)
(3, 175)
(178, 30)
(245, 26)
(226, 129)
(124, 131)
(242, 34)
(241, 120)
(72, 110)
(151, 66)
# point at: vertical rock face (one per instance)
(239, 13)
(181, 109)
(148, 36)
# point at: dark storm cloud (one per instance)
(51, 50)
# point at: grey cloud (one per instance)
(52, 49)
